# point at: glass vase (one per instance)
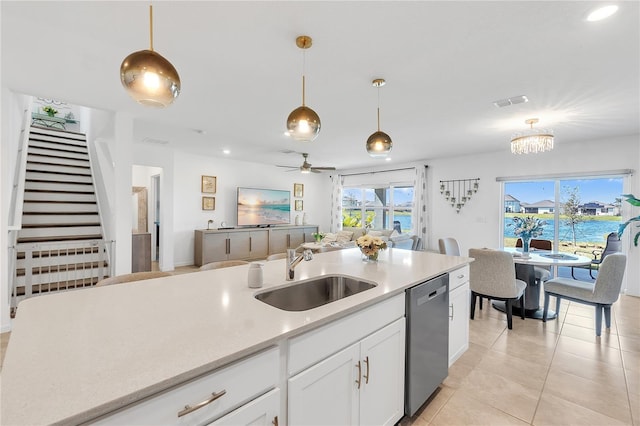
(525, 245)
(371, 258)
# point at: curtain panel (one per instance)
(337, 183)
(420, 202)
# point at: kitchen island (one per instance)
(76, 356)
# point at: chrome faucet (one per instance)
(292, 261)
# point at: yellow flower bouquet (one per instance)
(371, 246)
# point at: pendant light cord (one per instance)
(378, 108)
(303, 72)
(150, 27)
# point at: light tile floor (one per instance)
(554, 373)
(558, 373)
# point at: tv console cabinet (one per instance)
(214, 245)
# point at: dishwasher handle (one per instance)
(432, 295)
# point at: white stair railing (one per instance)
(42, 268)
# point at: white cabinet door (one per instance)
(327, 393)
(382, 390)
(263, 411)
(458, 322)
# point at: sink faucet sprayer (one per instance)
(292, 261)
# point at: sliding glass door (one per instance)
(579, 213)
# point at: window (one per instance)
(384, 207)
(580, 213)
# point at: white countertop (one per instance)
(76, 355)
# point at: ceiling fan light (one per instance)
(150, 79)
(303, 124)
(379, 144)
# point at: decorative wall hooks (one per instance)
(459, 191)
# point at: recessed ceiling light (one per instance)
(387, 159)
(602, 13)
(226, 151)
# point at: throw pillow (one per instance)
(344, 236)
(329, 238)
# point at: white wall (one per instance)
(478, 225)
(187, 202)
(12, 110)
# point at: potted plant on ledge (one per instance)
(50, 111)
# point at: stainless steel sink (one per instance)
(314, 292)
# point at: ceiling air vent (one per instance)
(155, 141)
(511, 101)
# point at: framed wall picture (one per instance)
(208, 184)
(298, 205)
(298, 190)
(208, 203)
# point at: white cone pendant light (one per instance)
(303, 124)
(148, 77)
(379, 143)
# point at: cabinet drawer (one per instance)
(458, 277)
(318, 344)
(241, 381)
(263, 411)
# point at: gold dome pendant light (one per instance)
(303, 123)
(379, 143)
(148, 77)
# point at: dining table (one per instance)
(525, 271)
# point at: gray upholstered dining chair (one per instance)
(493, 275)
(601, 295)
(134, 276)
(222, 264)
(276, 256)
(449, 246)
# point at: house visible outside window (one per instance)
(580, 213)
(388, 207)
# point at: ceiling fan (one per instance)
(306, 166)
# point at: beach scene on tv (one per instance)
(263, 206)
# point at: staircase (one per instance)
(60, 245)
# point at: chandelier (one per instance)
(532, 141)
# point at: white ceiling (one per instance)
(445, 63)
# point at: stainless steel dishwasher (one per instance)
(427, 363)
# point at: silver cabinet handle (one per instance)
(188, 408)
(359, 374)
(451, 316)
(461, 276)
(366, 376)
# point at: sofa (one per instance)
(348, 235)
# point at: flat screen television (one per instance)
(263, 207)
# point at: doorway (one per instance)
(155, 232)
